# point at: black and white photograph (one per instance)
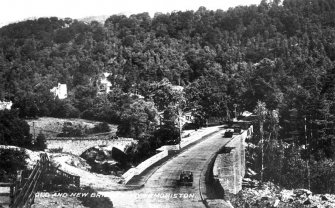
(167, 104)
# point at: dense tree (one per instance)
(13, 130)
(138, 119)
(40, 143)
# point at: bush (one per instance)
(70, 130)
(10, 162)
(323, 176)
(13, 130)
(105, 114)
(65, 110)
(167, 135)
(139, 152)
(101, 127)
(94, 202)
(40, 143)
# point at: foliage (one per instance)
(323, 176)
(280, 54)
(10, 162)
(137, 119)
(167, 135)
(70, 130)
(40, 143)
(94, 202)
(13, 130)
(101, 127)
(145, 148)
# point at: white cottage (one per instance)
(5, 105)
(60, 91)
(105, 85)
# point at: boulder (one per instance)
(106, 159)
(106, 167)
(60, 158)
(286, 195)
(300, 192)
(103, 153)
(277, 201)
(323, 198)
(307, 202)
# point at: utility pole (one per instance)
(235, 105)
(179, 122)
(34, 131)
(306, 147)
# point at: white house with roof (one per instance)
(184, 118)
(105, 86)
(60, 91)
(5, 105)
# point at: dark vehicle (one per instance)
(190, 126)
(228, 134)
(245, 124)
(237, 129)
(186, 178)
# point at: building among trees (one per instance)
(5, 105)
(60, 91)
(105, 85)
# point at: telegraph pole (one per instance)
(179, 121)
(34, 132)
(235, 105)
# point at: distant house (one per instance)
(60, 91)
(177, 88)
(5, 105)
(185, 118)
(105, 86)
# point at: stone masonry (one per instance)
(229, 166)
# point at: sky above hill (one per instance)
(18, 10)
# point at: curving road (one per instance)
(161, 189)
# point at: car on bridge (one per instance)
(237, 129)
(229, 133)
(186, 178)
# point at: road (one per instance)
(161, 189)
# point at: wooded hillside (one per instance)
(281, 54)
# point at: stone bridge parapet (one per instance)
(77, 145)
(229, 166)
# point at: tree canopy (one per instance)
(280, 54)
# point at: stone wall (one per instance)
(77, 145)
(144, 165)
(229, 166)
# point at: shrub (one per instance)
(10, 162)
(70, 130)
(101, 127)
(56, 150)
(13, 130)
(167, 134)
(65, 110)
(94, 202)
(323, 176)
(40, 143)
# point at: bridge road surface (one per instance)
(161, 189)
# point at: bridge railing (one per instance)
(22, 192)
(71, 179)
(23, 196)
